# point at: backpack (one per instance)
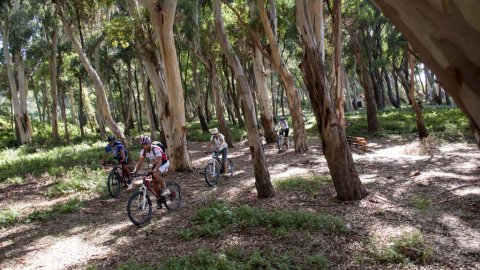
(162, 147)
(160, 144)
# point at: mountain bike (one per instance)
(115, 181)
(215, 167)
(139, 207)
(282, 141)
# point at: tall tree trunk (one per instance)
(366, 82)
(422, 130)
(219, 107)
(262, 176)
(81, 117)
(99, 110)
(162, 16)
(294, 104)
(334, 142)
(99, 88)
(337, 43)
(266, 117)
(37, 100)
(53, 84)
(197, 48)
(130, 98)
(138, 104)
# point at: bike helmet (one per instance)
(282, 118)
(214, 131)
(145, 140)
(110, 138)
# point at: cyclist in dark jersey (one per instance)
(119, 153)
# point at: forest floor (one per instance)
(436, 195)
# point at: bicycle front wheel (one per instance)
(139, 208)
(212, 172)
(281, 142)
(114, 184)
(174, 199)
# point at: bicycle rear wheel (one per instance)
(114, 184)
(212, 172)
(139, 208)
(174, 199)
(281, 142)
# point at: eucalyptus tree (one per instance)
(262, 176)
(265, 104)
(294, 104)
(162, 16)
(64, 10)
(334, 142)
(17, 27)
(422, 130)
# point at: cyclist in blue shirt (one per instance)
(119, 153)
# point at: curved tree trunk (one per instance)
(99, 88)
(219, 107)
(366, 82)
(422, 130)
(262, 176)
(334, 142)
(337, 43)
(294, 104)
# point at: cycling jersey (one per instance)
(282, 124)
(116, 150)
(219, 142)
(155, 151)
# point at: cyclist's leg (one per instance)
(163, 169)
(158, 183)
(286, 136)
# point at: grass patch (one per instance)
(238, 258)
(56, 161)
(216, 218)
(422, 203)
(445, 123)
(8, 217)
(16, 180)
(72, 205)
(409, 248)
(135, 266)
(310, 183)
(78, 180)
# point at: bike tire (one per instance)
(174, 199)
(230, 168)
(212, 172)
(139, 212)
(281, 142)
(114, 184)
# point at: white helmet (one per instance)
(145, 140)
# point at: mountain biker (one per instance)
(156, 154)
(218, 140)
(120, 154)
(283, 126)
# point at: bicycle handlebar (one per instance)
(135, 175)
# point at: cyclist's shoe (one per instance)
(165, 192)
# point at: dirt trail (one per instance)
(101, 235)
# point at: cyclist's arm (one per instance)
(158, 163)
(122, 155)
(103, 158)
(139, 163)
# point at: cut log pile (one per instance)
(358, 142)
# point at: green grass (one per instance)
(78, 180)
(421, 202)
(71, 206)
(239, 258)
(310, 183)
(409, 248)
(449, 124)
(217, 218)
(57, 161)
(8, 217)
